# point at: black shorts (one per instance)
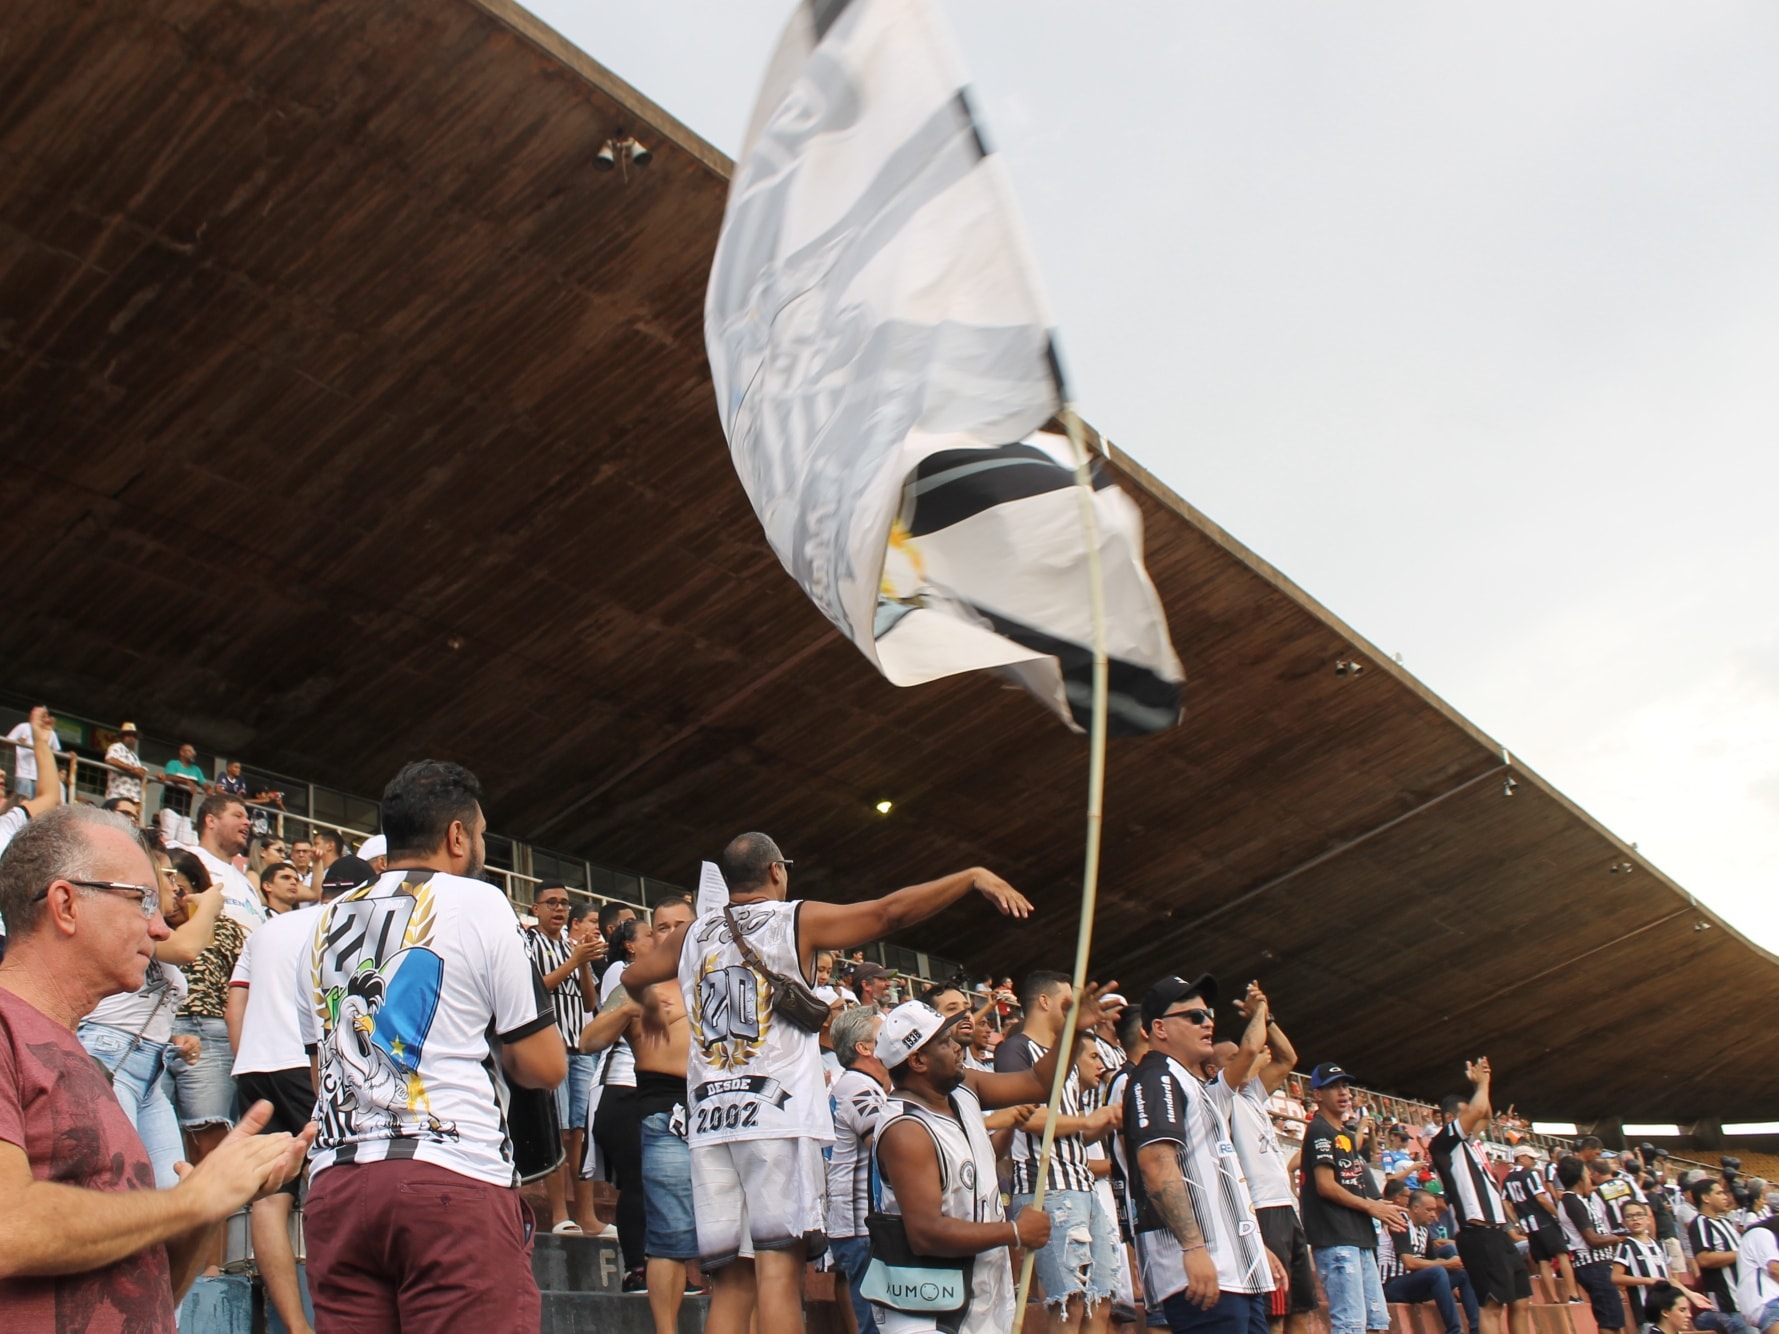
(292, 1095)
(1497, 1274)
(1547, 1243)
(1282, 1234)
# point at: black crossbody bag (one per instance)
(792, 1001)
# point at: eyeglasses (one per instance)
(146, 896)
(550, 903)
(1193, 1016)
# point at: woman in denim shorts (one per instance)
(204, 1090)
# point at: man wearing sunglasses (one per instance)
(1198, 1241)
(82, 1228)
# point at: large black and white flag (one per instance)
(884, 362)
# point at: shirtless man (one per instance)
(655, 1025)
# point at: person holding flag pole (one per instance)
(885, 371)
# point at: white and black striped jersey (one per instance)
(1716, 1234)
(856, 1101)
(1576, 1215)
(571, 1007)
(1114, 1087)
(1642, 1259)
(1469, 1188)
(1112, 1058)
(1068, 1153)
(1394, 1247)
(1166, 1104)
(1524, 1188)
(1614, 1193)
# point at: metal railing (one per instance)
(520, 887)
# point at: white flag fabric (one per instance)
(884, 362)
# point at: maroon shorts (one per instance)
(410, 1246)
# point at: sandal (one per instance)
(567, 1227)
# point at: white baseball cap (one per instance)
(374, 846)
(905, 1030)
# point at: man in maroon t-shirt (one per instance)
(86, 1241)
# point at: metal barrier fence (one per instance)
(87, 780)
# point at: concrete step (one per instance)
(601, 1313)
(577, 1264)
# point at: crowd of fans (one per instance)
(236, 1019)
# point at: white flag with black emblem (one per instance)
(884, 362)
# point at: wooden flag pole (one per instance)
(1096, 793)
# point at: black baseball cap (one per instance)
(1328, 1073)
(1170, 991)
(346, 875)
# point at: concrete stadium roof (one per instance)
(349, 415)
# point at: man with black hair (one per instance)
(566, 967)
(1497, 1273)
(938, 1174)
(1713, 1239)
(612, 915)
(407, 984)
(758, 1117)
(270, 1063)
(1591, 1242)
(223, 829)
(1535, 1208)
(1076, 1279)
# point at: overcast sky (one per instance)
(1465, 317)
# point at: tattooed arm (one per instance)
(1165, 1186)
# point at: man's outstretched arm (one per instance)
(839, 926)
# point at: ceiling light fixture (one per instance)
(885, 807)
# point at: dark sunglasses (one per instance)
(1193, 1016)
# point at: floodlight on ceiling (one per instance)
(1751, 1127)
(1660, 1131)
(1553, 1128)
(885, 807)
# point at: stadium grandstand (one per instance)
(352, 416)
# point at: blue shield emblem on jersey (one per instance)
(411, 980)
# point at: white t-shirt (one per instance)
(24, 757)
(620, 1061)
(150, 1008)
(1257, 1146)
(267, 968)
(1755, 1287)
(750, 1075)
(400, 986)
(855, 1100)
(240, 900)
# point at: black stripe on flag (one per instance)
(824, 13)
(957, 484)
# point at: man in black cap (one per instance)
(1339, 1204)
(1198, 1241)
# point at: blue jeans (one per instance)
(1078, 1259)
(204, 1093)
(1439, 1287)
(1720, 1322)
(1231, 1313)
(1355, 1296)
(669, 1229)
(852, 1256)
(571, 1093)
(136, 1079)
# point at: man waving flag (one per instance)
(883, 364)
